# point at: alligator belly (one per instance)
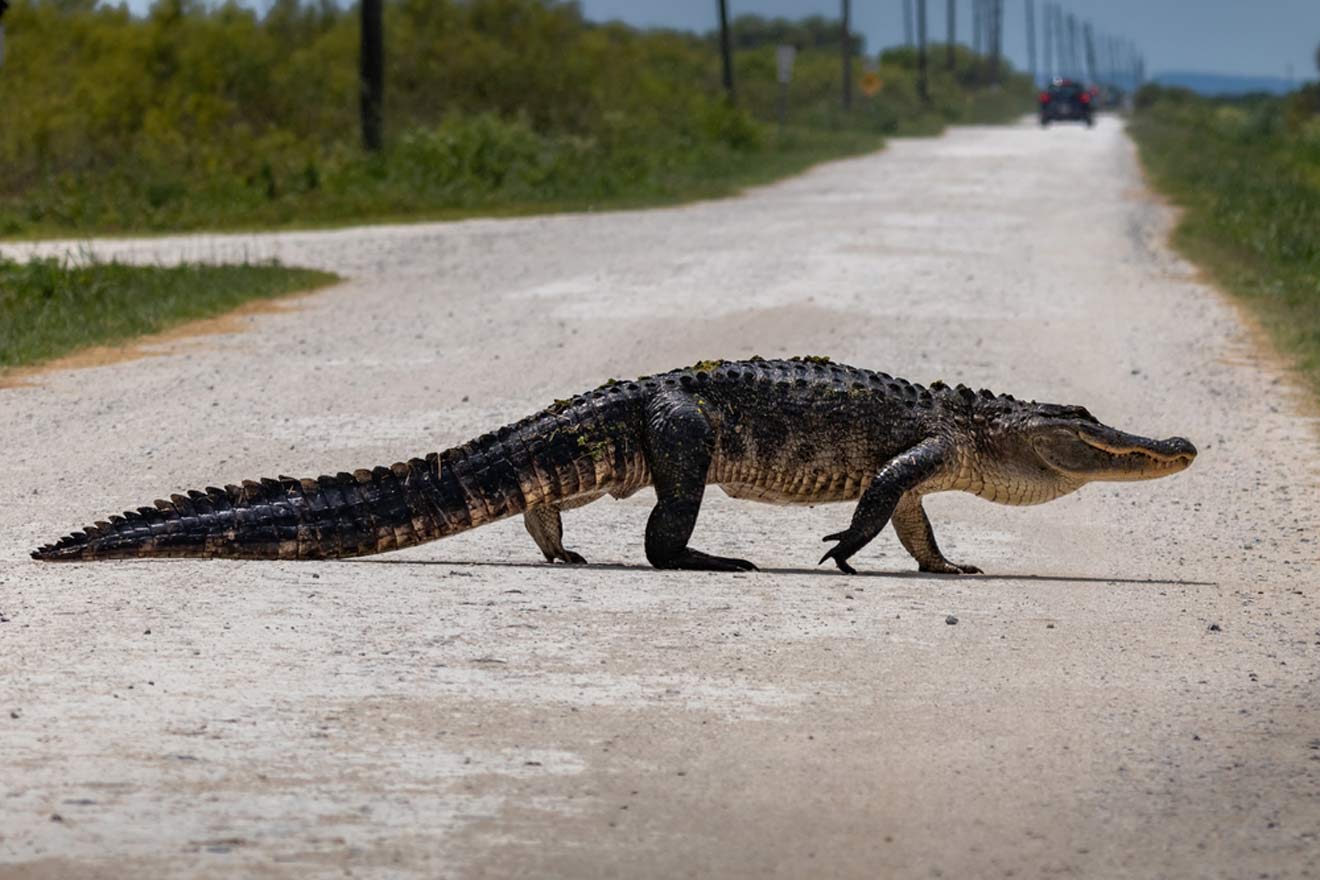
(825, 490)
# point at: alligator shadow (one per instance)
(815, 572)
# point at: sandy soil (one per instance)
(1133, 690)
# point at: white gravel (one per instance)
(463, 710)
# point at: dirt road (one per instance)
(1132, 690)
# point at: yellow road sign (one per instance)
(871, 83)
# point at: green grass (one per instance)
(1247, 176)
(52, 307)
(402, 187)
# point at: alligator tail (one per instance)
(368, 511)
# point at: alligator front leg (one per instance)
(900, 474)
(679, 443)
(546, 527)
(914, 531)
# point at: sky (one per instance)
(1251, 37)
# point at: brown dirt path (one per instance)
(1133, 691)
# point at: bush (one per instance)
(203, 115)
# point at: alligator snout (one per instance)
(1179, 448)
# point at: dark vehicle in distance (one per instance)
(1066, 99)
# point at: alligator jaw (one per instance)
(1132, 457)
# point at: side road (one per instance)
(1133, 689)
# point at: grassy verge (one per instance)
(1247, 175)
(430, 177)
(52, 307)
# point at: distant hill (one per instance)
(1224, 83)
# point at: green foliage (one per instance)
(50, 307)
(813, 32)
(1247, 172)
(213, 116)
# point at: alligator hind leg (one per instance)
(918, 538)
(679, 443)
(547, 529)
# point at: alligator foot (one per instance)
(546, 527)
(946, 567)
(849, 543)
(913, 528)
(695, 560)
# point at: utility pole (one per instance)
(371, 61)
(922, 86)
(977, 9)
(950, 59)
(847, 57)
(1094, 76)
(1056, 29)
(1065, 66)
(907, 22)
(726, 51)
(1031, 39)
(1072, 48)
(1047, 25)
(996, 37)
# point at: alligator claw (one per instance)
(841, 551)
(949, 568)
(567, 557)
(695, 560)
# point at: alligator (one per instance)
(797, 431)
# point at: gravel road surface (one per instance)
(1132, 690)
